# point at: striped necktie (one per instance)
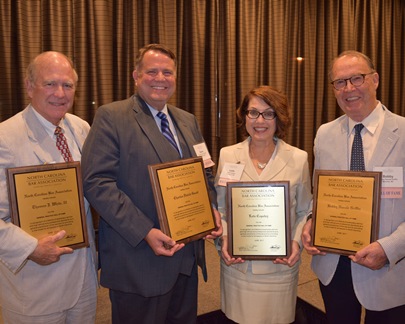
(357, 157)
(164, 125)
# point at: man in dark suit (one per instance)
(148, 282)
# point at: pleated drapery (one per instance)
(224, 48)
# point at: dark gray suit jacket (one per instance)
(123, 141)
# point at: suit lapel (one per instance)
(183, 132)
(39, 138)
(281, 158)
(342, 159)
(388, 139)
(79, 135)
(241, 155)
(148, 125)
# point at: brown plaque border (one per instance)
(259, 184)
(158, 194)
(377, 176)
(14, 203)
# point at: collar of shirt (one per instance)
(48, 126)
(50, 129)
(158, 120)
(154, 113)
(370, 133)
(371, 122)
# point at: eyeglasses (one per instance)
(356, 80)
(254, 114)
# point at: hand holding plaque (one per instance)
(182, 200)
(258, 216)
(346, 210)
(45, 199)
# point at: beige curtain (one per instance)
(224, 47)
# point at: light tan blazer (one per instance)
(376, 289)
(26, 287)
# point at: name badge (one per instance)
(392, 182)
(202, 150)
(231, 172)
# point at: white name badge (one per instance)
(392, 181)
(202, 150)
(230, 172)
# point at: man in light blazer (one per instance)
(151, 278)
(374, 276)
(39, 281)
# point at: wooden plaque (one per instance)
(47, 198)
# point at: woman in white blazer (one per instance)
(263, 291)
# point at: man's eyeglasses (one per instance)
(254, 114)
(356, 80)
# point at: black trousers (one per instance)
(341, 303)
(178, 306)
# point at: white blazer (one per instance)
(26, 287)
(376, 289)
(290, 163)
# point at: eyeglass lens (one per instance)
(356, 80)
(254, 114)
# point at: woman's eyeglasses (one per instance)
(254, 114)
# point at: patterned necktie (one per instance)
(62, 145)
(357, 158)
(166, 130)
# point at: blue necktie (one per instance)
(166, 130)
(357, 157)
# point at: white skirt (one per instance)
(259, 298)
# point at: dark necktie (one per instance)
(357, 157)
(166, 130)
(62, 145)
